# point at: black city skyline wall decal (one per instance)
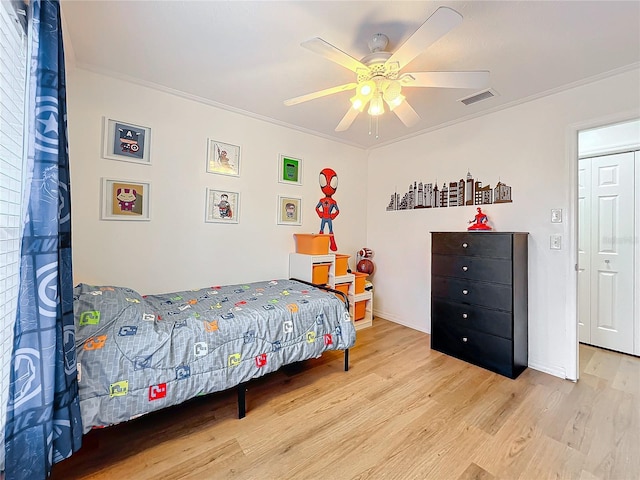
(463, 192)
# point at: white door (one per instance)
(606, 262)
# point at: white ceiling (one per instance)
(246, 56)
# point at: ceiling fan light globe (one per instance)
(357, 103)
(366, 89)
(392, 91)
(395, 102)
(376, 107)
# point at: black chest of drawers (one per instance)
(479, 299)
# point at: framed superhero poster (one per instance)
(223, 158)
(125, 200)
(222, 206)
(290, 170)
(126, 141)
(289, 210)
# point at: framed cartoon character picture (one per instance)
(290, 170)
(222, 206)
(223, 158)
(289, 210)
(125, 200)
(126, 141)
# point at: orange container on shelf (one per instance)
(359, 283)
(312, 243)
(342, 264)
(359, 310)
(320, 274)
(343, 287)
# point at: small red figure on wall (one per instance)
(327, 208)
(480, 222)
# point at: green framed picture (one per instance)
(290, 170)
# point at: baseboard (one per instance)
(395, 319)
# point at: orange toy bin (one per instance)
(359, 310)
(320, 274)
(342, 287)
(342, 264)
(312, 243)
(359, 283)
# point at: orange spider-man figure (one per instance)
(327, 208)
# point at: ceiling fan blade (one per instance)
(439, 23)
(347, 120)
(320, 93)
(328, 51)
(406, 114)
(477, 79)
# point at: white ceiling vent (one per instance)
(476, 97)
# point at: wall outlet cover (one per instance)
(555, 242)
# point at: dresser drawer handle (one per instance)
(465, 268)
(464, 315)
(465, 339)
(465, 245)
(465, 292)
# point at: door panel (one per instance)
(611, 257)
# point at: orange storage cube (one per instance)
(312, 243)
(359, 283)
(343, 287)
(320, 274)
(342, 264)
(359, 310)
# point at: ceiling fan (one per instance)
(379, 79)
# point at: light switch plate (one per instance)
(556, 215)
(555, 242)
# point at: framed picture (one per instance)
(290, 170)
(125, 200)
(289, 210)
(223, 158)
(126, 141)
(222, 206)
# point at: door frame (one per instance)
(571, 314)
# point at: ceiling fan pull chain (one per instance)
(370, 118)
(377, 136)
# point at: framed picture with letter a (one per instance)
(126, 141)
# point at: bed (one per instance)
(137, 354)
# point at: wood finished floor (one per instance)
(402, 411)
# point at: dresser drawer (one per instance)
(457, 290)
(497, 270)
(494, 322)
(496, 245)
(484, 350)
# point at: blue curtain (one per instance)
(43, 419)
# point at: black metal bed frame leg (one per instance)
(242, 400)
(346, 359)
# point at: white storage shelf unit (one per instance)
(301, 267)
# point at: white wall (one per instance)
(177, 250)
(529, 147)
